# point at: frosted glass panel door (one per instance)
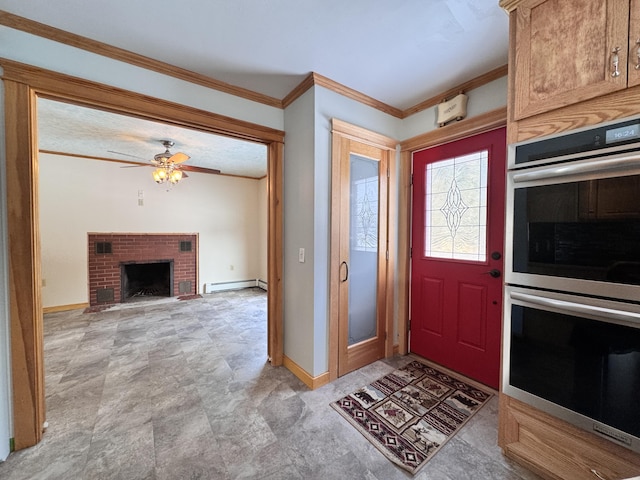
(358, 253)
(363, 248)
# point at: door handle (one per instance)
(346, 276)
(494, 272)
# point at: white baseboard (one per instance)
(222, 286)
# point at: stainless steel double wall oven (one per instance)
(572, 273)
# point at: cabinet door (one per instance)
(555, 449)
(564, 52)
(634, 44)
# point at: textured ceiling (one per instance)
(68, 128)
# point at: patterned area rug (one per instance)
(412, 412)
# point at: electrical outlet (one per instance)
(301, 255)
(231, 267)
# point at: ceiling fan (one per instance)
(169, 168)
(168, 165)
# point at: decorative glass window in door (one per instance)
(456, 208)
(364, 224)
(364, 211)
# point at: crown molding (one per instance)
(51, 33)
(316, 79)
(355, 95)
(299, 90)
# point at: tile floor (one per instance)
(181, 390)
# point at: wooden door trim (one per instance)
(342, 132)
(275, 264)
(482, 123)
(374, 348)
(25, 307)
(22, 84)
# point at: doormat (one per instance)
(412, 412)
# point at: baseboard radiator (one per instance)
(222, 286)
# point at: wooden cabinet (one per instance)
(557, 450)
(567, 52)
(560, 78)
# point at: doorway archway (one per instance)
(23, 84)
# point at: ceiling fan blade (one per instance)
(136, 166)
(126, 155)
(178, 158)
(184, 174)
(192, 168)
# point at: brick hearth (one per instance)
(108, 251)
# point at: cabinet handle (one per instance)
(637, 67)
(615, 60)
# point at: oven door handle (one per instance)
(619, 163)
(607, 314)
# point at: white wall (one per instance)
(263, 225)
(298, 199)
(78, 196)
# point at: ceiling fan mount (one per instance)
(166, 157)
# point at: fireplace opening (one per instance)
(145, 280)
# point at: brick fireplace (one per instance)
(126, 265)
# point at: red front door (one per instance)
(457, 249)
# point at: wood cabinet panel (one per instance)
(633, 68)
(557, 450)
(563, 52)
(617, 105)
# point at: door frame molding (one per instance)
(22, 85)
(455, 131)
(341, 130)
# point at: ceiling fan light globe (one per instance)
(159, 175)
(175, 176)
